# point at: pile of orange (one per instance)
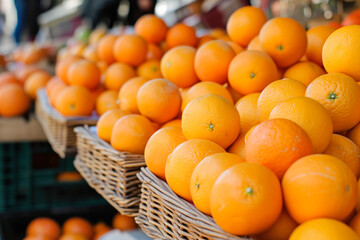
(75, 228)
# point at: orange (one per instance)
(62, 67)
(24, 72)
(37, 238)
(204, 39)
(100, 226)
(172, 123)
(105, 48)
(340, 95)
(96, 93)
(159, 100)
(217, 33)
(107, 100)
(304, 72)
(205, 175)
(8, 77)
(346, 150)
(212, 61)
(284, 39)
(340, 51)
(280, 230)
(32, 53)
(251, 71)
(358, 202)
(352, 19)
(355, 224)
(234, 94)
(84, 73)
(154, 52)
(74, 101)
(96, 35)
(334, 24)
(102, 66)
(211, 117)
(238, 147)
(244, 24)
(106, 122)
(36, 81)
(73, 236)
(255, 44)
(323, 229)
(128, 92)
(117, 74)
(237, 48)
(277, 139)
(13, 100)
(79, 226)
(181, 34)
(53, 94)
(123, 223)
(90, 53)
(246, 107)
(182, 162)
(152, 28)
(177, 65)
(250, 190)
(68, 176)
(149, 69)
(130, 49)
(277, 92)
(309, 115)
(160, 146)
(77, 48)
(203, 88)
(354, 134)
(131, 133)
(316, 37)
(43, 227)
(319, 186)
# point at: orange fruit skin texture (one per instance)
(246, 107)
(159, 100)
(277, 139)
(255, 45)
(150, 69)
(130, 49)
(13, 100)
(181, 34)
(8, 77)
(202, 89)
(316, 37)
(311, 116)
(340, 95)
(106, 123)
(245, 24)
(79, 226)
(212, 61)
(62, 67)
(117, 74)
(211, 117)
(284, 39)
(34, 82)
(275, 93)
(160, 145)
(280, 230)
(73, 236)
(304, 72)
(105, 48)
(238, 147)
(74, 101)
(124, 223)
(341, 51)
(346, 150)
(106, 101)
(131, 133)
(172, 123)
(152, 28)
(177, 66)
(182, 162)
(319, 186)
(43, 227)
(205, 175)
(251, 71)
(128, 92)
(84, 73)
(354, 134)
(323, 229)
(250, 190)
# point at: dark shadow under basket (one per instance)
(164, 215)
(58, 129)
(113, 172)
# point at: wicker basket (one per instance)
(113, 172)
(58, 129)
(164, 215)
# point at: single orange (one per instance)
(43, 227)
(246, 107)
(128, 92)
(255, 44)
(181, 34)
(13, 100)
(84, 73)
(304, 72)
(117, 74)
(152, 28)
(154, 52)
(123, 223)
(352, 19)
(107, 100)
(105, 48)
(36, 81)
(78, 225)
(130, 49)
(106, 122)
(149, 69)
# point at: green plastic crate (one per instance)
(28, 174)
